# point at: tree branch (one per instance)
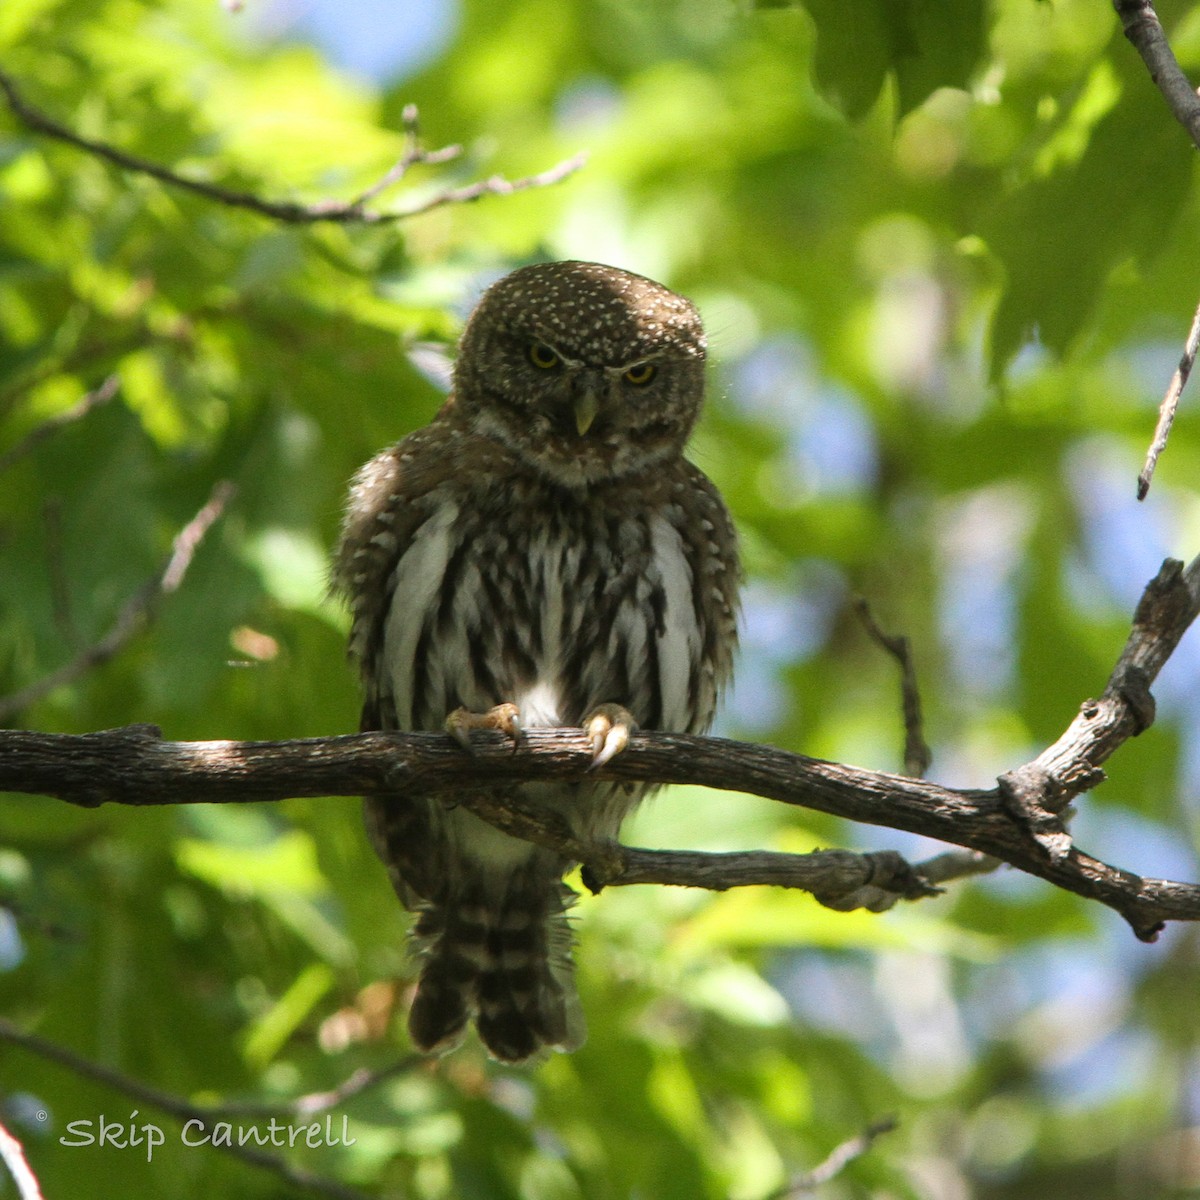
(835, 1163)
(205, 1118)
(94, 399)
(1018, 821)
(291, 212)
(136, 612)
(312, 1104)
(1144, 30)
(1169, 406)
(917, 754)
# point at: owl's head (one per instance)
(585, 371)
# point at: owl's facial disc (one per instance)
(586, 372)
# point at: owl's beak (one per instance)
(587, 405)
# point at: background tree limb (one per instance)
(291, 212)
(203, 1117)
(135, 613)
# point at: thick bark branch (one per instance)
(133, 766)
(1017, 822)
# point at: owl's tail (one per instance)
(501, 955)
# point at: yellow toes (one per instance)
(504, 718)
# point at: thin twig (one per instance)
(181, 1110)
(494, 185)
(109, 343)
(917, 755)
(836, 1162)
(284, 210)
(1170, 402)
(143, 1093)
(136, 612)
(35, 437)
(12, 1154)
(314, 1103)
(1145, 32)
(414, 155)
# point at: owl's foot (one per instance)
(504, 718)
(609, 727)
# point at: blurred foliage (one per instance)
(947, 257)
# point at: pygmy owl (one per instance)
(540, 554)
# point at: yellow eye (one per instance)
(642, 374)
(542, 356)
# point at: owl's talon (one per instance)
(608, 729)
(504, 718)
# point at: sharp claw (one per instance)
(608, 740)
(597, 728)
(512, 728)
(458, 726)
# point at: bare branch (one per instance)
(839, 879)
(1010, 822)
(836, 1162)
(955, 864)
(314, 1103)
(494, 185)
(137, 611)
(1143, 28)
(12, 1154)
(35, 437)
(413, 155)
(1170, 403)
(288, 211)
(917, 755)
(1039, 792)
(205, 1118)
(133, 766)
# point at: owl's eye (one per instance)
(641, 375)
(542, 356)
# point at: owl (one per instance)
(540, 554)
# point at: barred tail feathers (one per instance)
(501, 956)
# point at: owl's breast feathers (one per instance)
(473, 581)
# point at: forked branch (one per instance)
(1018, 821)
(341, 212)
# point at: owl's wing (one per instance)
(711, 544)
(390, 499)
